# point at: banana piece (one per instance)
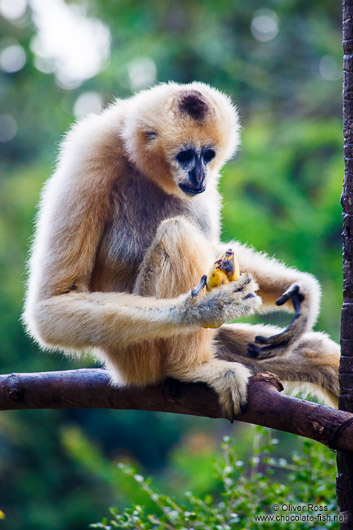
(224, 270)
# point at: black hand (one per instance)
(281, 339)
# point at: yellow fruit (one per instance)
(224, 270)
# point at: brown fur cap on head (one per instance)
(193, 103)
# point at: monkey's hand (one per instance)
(222, 304)
(282, 342)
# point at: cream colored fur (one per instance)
(119, 246)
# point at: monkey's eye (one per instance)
(151, 135)
(209, 155)
(184, 157)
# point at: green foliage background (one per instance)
(297, 493)
(281, 194)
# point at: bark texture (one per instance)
(91, 388)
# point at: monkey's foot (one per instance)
(231, 386)
(228, 379)
(278, 344)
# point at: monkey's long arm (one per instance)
(291, 289)
(60, 311)
(274, 279)
(77, 321)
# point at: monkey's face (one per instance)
(180, 155)
(190, 168)
(180, 135)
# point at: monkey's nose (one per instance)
(197, 175)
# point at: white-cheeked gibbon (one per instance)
(128, 224)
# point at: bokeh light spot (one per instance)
(13, 9)
(264, 25)
(12, 59)
(88, 103)
(68, 42)
(142, 73)
(329, 68)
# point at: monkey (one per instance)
(128, 224)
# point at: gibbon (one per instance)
(128, 224)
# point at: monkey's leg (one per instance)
(281, 288)
(174, 264)
(312, 364)
(177, 258)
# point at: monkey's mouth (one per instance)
(191, 191)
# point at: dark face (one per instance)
(193, 165)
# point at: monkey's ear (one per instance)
(151, 135)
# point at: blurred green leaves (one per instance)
(241, 492)
(282, 197)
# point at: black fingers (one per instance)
(297, 300)
(262, 340)
(281, 340)
(253, 350)
(296, 296)
(292, 290)
(266, 352)
(250, 295)
(292, 293)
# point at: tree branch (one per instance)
(91, 388)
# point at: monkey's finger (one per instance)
(253, 351)
(195, 292)
(250, 295)
(276, 342)
(266, 352)
(262, 340)
(288, 294)
(230, 409)
(256, 352)
(243, 280)
(281, 338)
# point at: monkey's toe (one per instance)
(262, 340)
(265, 352)
(253, 350)
(232, 392)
